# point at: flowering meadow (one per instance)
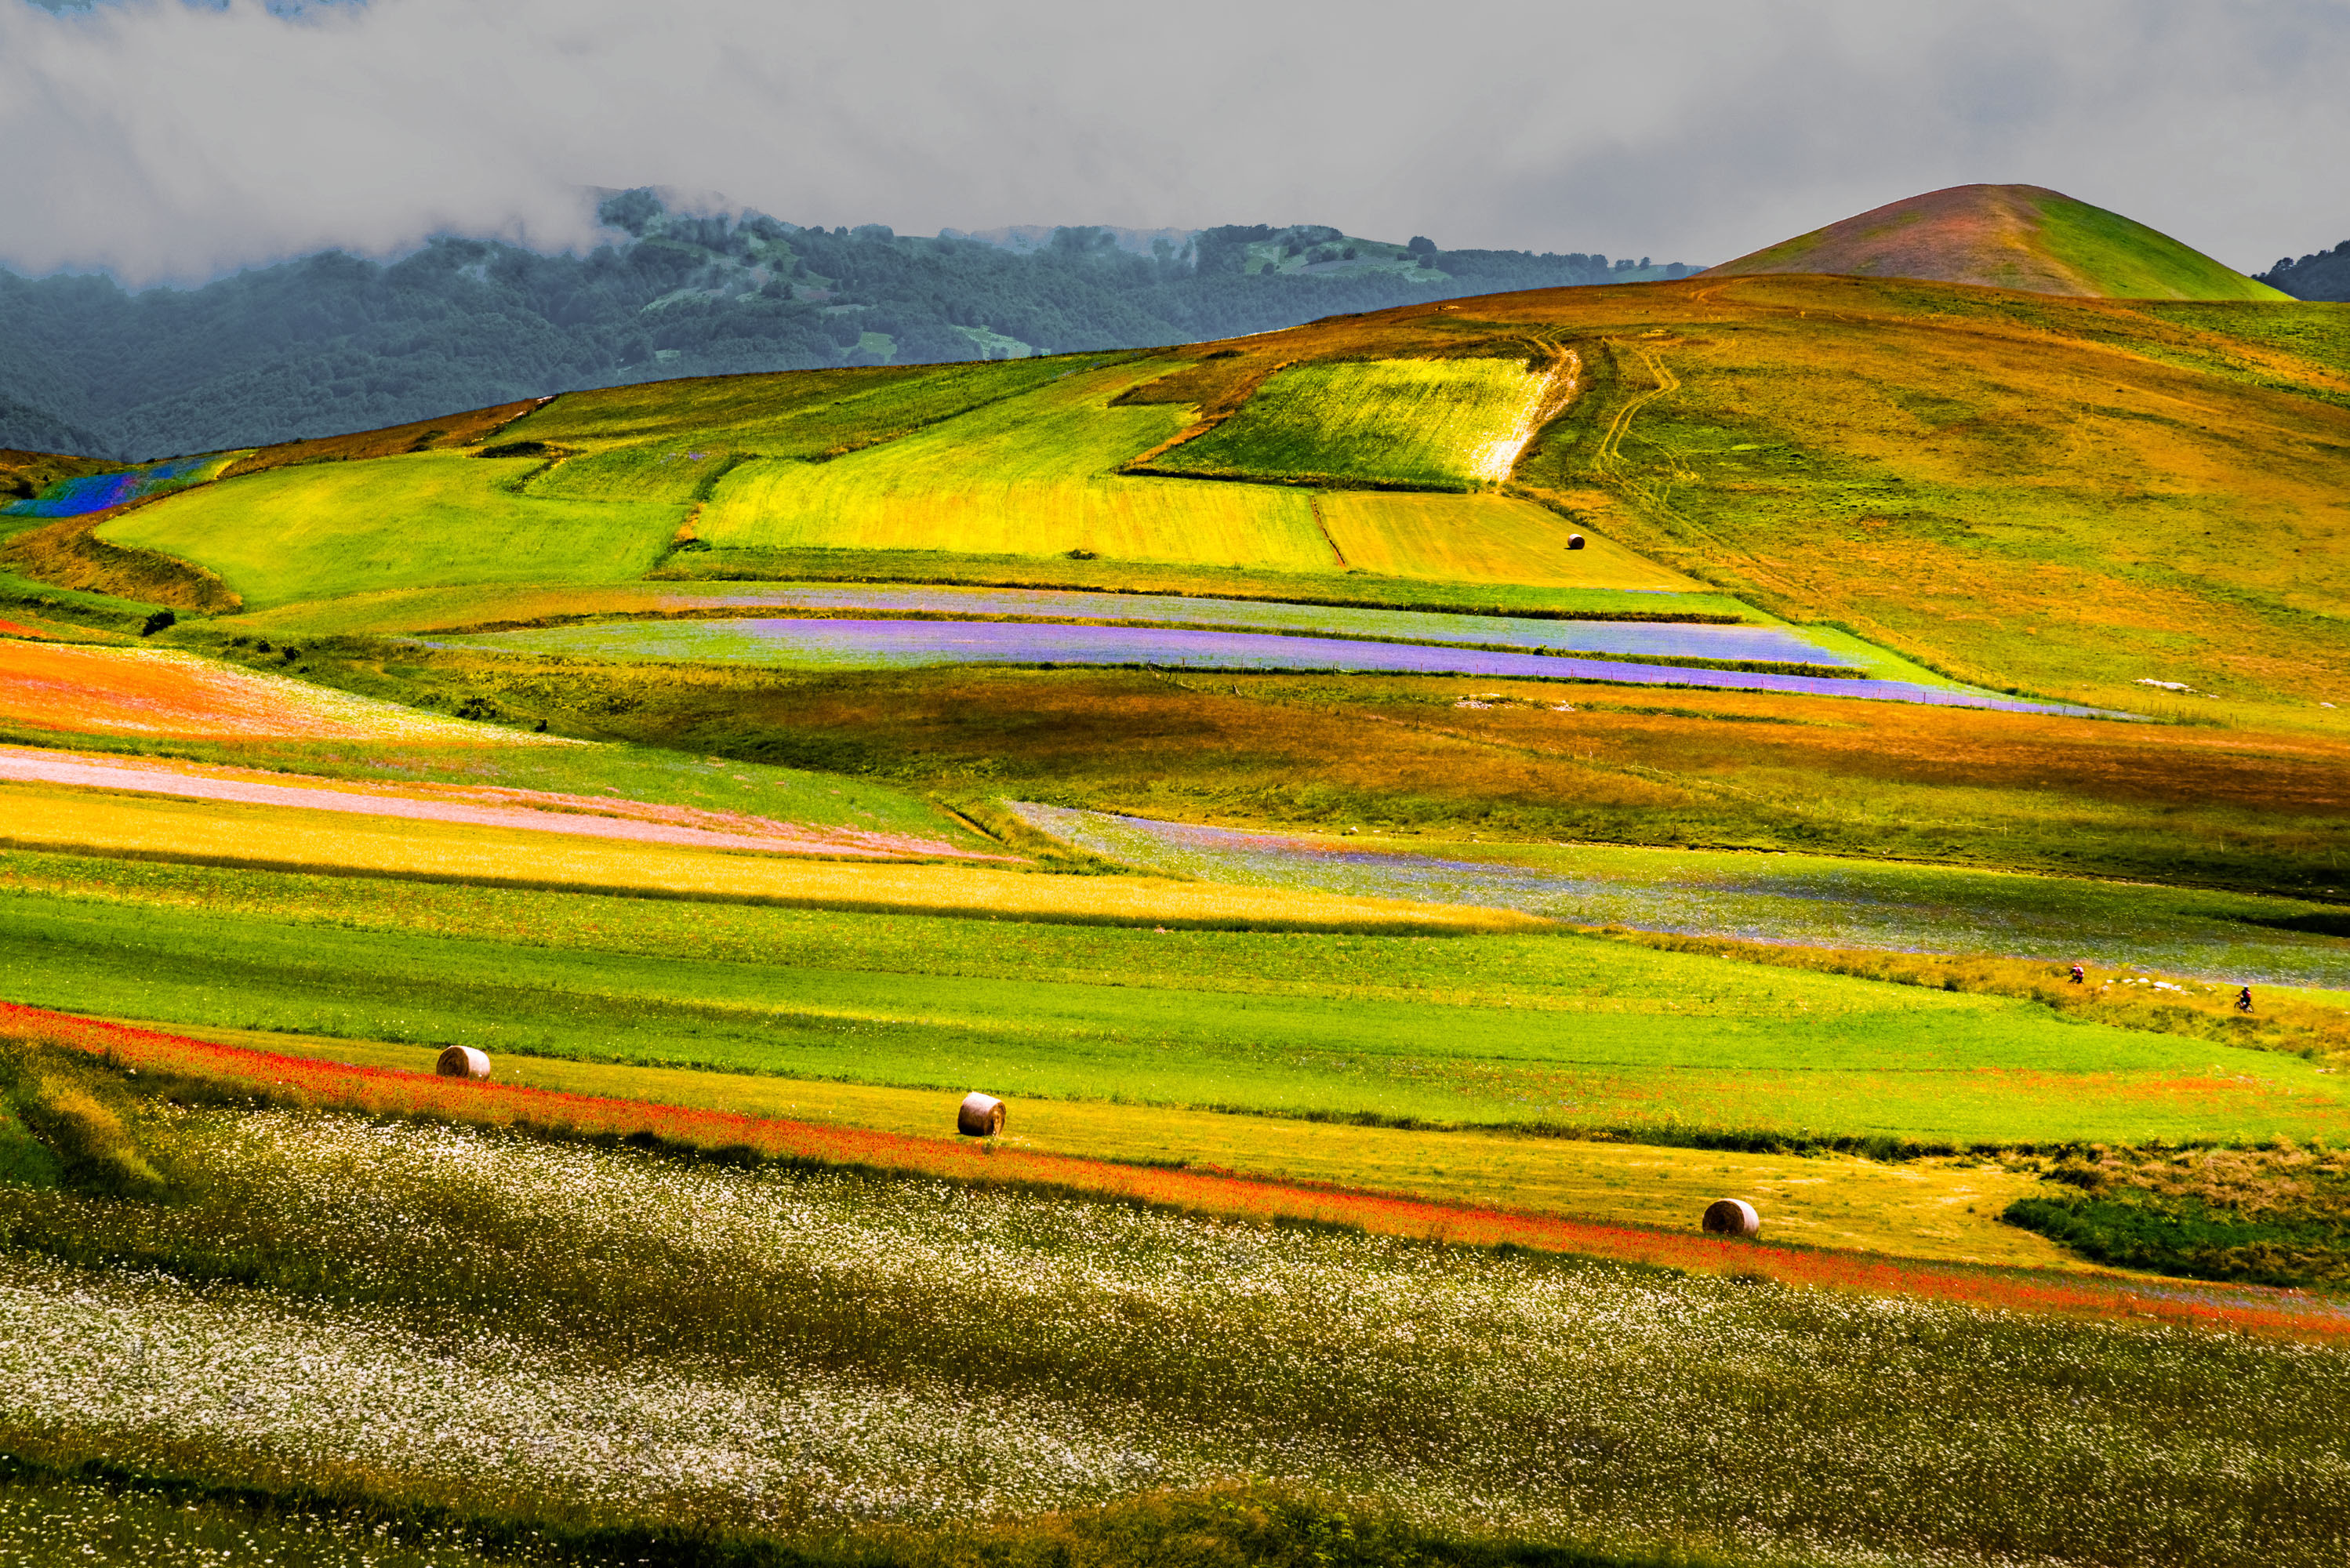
(2220, 937)
(846, 643)
(493, 1324)
(164, 692)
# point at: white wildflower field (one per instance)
(470, 1318)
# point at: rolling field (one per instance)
(1935, 1208)
(231, 833)
(1580, 1034)
(1441, 424)
(1027, 477)
(163, 692)
(1480, 539)
(2257, 810)
(432, 518)
(1385, 962)
(2225, 939)
(756, 1353)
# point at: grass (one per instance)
(1482, 539)
(1440, 424)
(2252, 809)
(631, 1318)
(801, 414)
(1935, 1208)
(620, 772)
(429, 519)
(2008, 236)
(2227, 940)
(224, 833)
(1668, 1046)
(1027, 477)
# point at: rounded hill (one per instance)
(2023, 237)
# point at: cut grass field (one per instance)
(1544, 1032)
(1482, 539)
(1438, 424)
(427, 519)
(1935, 1207)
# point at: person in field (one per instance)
(2080, 974)
(2244, 999)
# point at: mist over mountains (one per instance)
(331, 343)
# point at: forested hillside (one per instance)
(2323, 275)
(331, 343)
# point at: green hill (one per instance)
(2006, 236)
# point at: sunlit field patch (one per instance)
(2223, 938)
(1450, 424)
(424, 519)
(159, 692)
(1560, 1034)
(636, 822)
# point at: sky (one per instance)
(164, 141)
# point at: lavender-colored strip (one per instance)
(904, 643)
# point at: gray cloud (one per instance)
(165, 140)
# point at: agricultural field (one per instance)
(1438, 424)
(1412, 813)
(324, 530)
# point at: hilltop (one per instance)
(2022, 237)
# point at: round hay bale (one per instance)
(981, 1116)
(1575, 540)
(1732, 1217)
(463, 1062)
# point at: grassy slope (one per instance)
(316, 532)
(2255, 809)
(1931, 1208)
(1029, 476)
(2006, 236)
(1369, 1025)
(1432, 423)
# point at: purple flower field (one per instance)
(906, 644)
(1676, 639)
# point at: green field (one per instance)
(1028, 476)
(1545, 1030)
(1439, 424)
(430, 518)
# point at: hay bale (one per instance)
(1732, 1217)
(463, 1062)
(981, 1116)
(1575, 540)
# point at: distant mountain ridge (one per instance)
(2022, 237)
(331, 343)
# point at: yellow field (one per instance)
(1925, 1208)
(1030, 476)
(38, 816)
(1481, 538)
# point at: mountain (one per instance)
(333, 343)
(2023, 237)
(2324, 276)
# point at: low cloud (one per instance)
(164, 140)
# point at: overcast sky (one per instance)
(170, 141)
